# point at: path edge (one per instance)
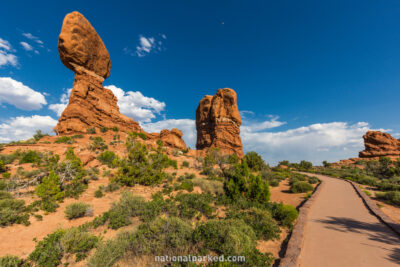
(292, 255)
(375, 209)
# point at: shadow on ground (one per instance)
(375, 231)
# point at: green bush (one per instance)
(6, 175)
(76, 241)
(77, 136)
(261, 221)
(98, 193)
(109, 252)
(65, 140)
(39, 135)
(48, 252)
(91, 130)
(49, 205)
(191, 205)
(115, 129)
(286, 214)
(301, 187)
(111, 187)
(313, 180)
(30, 157)
(391, 197)
(12, 211)
(274, 182)
(163, 235)
(103, 129)
(185, 185)
(49, 188)
(109, 158)
(78, 210)
(305, 165)
(10, 261)
(185, 164)
(227, 237)
(254, 161)
(2, 167)
(97, 144)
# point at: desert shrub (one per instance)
(77, 210)
(161, 236)
(368, 180)
(2, 167)
(6, 175)
(141, 167)
(261, 221)
(48, 205)
(185, 164)
(10, 261)
(76, 241)
(209, 186)
(274, 182)
(103, 129)
(108, 253)
(254, 161)
(109, 158)
(8, 159)
(77, 136)
(12, 211)
(49, 188)
(301, 187)
(185, 185)
(91, 130)
(30, 156)
(111, 187)
(39, 135)
(4, 195)
(48, 252)
(115, 129)
(227, 237)
(286, 214)
(98, 193)
(313, 180)
(97, 144)
(191, 205)
(305, 165)
(65, 140)
(391, 197)
(258, 190)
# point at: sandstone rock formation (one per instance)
(90, 105)
(172, 139)
(218, 123)
(378, 144)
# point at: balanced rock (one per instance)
(218, 123)
(378, 144)
(90, 105)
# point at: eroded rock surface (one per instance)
(218, 123)
(378, 144)
(90, 105)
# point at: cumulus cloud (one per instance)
(59, 107)
(146, 46)
(132, 104)
(26, 46)
(136, 105)
(187, 126)
(19, 95)
(22, 128)
(317, 142)
(6, 54)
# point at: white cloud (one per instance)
(132, 104)
(59, 107)
(26, 46)
(22, 128)
(249, 126)
(136, 105)
(32, 37)
(146, 46)
(317, 142)
(187, 126)
(6, 54)
(20, 95)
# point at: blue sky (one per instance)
(311, 76)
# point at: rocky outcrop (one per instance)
(172, 139)
(218, 123)
(90, 105)
(378, 144)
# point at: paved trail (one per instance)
(341, 232)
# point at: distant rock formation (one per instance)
(218, 123)
(172, 139)
(378, 144)
(90, 105)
